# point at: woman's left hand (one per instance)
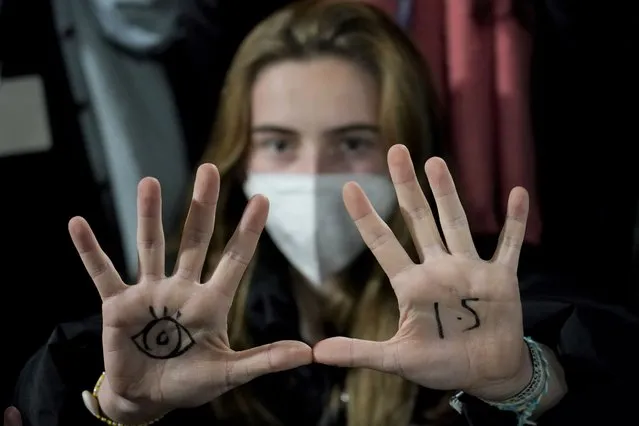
(460, 324)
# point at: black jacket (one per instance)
(593, 342)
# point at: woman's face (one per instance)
(315, 116)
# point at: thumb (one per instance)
(255, 362)
(12, 417)
(347, 352)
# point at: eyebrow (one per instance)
(268, 128)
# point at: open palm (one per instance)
(165, 338)
(460, 316)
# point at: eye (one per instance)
(355, 144)
(163, 337)
(277, 145)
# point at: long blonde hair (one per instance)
(367, 307)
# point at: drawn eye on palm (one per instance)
(164, 337)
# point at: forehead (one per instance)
(318, 92)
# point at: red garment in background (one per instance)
(482, 74)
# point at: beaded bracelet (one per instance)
(525, 402)
(93, 405)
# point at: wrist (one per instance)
(122, 410)
(513, 384)
(527, 402)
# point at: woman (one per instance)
(314, 99)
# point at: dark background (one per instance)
(584, 111)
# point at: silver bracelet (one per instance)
(525, 402)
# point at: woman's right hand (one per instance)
(165, 338)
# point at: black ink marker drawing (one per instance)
(440, 327)
(163, 337)
(464, 304)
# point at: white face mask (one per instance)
(308, 221)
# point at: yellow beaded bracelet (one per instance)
(92, 404)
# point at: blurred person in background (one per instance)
(306, 326)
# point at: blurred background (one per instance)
(96, 94)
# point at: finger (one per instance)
(451, 213)
(375, 232)
(412, 202)
(12, 417)
(356, 353)
(97, 263)
(271, 358)
(514, 230)
(150, 234)
(200, 221)
(241, 247)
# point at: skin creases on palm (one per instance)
(457, 331)
(150, 353)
